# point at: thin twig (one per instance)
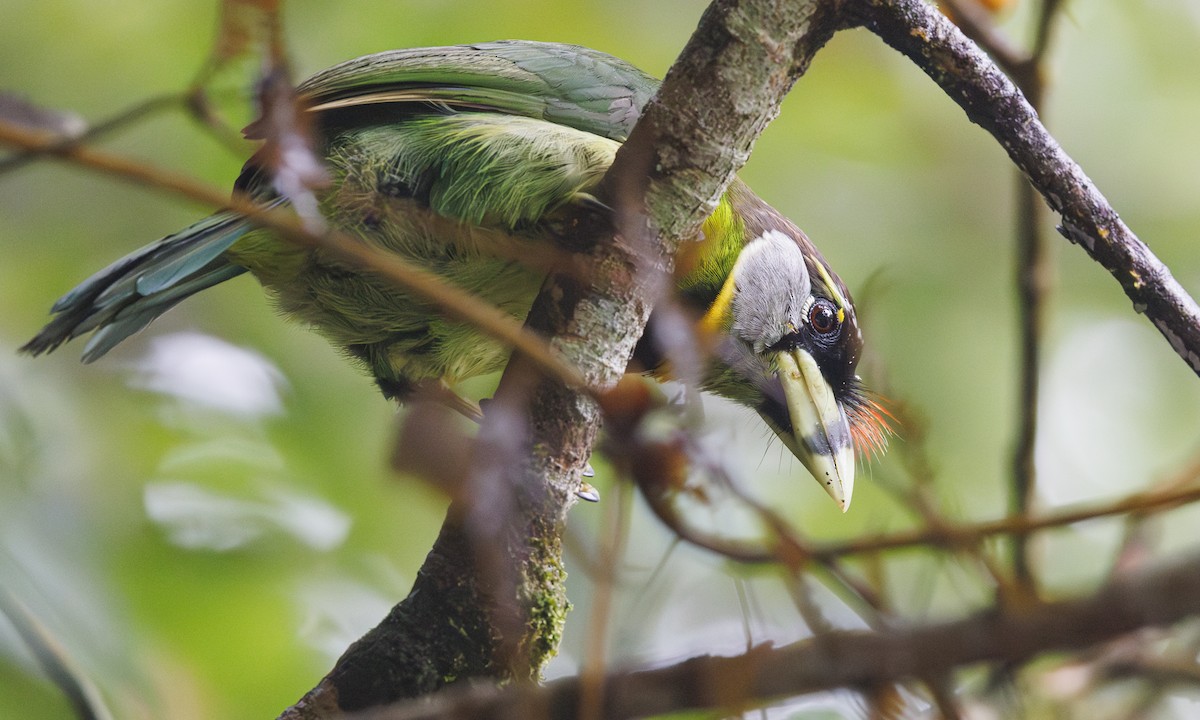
(941, 688)
(954, 535)
(137, 113)
(1181, 655)
(1045, 26)
(1034, 271)
(976, 23)
(200, 108)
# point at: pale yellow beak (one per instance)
(820, 432)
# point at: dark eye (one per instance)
(822, 317)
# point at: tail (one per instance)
(124, 297)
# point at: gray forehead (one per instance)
(771, 290)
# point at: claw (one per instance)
(587, 492)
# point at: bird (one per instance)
(463, 160)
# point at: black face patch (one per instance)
(836, 349)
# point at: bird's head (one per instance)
(790, 349)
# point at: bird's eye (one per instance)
(822, 317)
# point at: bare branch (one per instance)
(991, 100)
(93, 133)
(1033, 279)
(952, 535)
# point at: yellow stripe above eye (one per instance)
(833, 290)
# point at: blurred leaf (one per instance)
(196, 518)
(205, 372)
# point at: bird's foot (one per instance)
(587, 492)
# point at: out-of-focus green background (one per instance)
(205, 519)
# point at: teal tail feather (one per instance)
(126, 296)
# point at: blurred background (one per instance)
(205, 518)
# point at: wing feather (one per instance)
(562, 84)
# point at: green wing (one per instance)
(492, 134)
(562, 84)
